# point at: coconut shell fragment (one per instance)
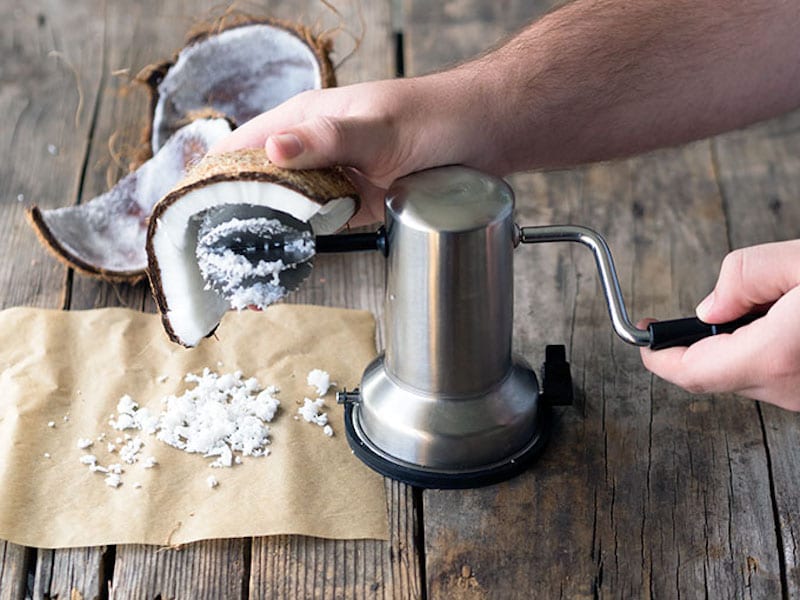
(190, 309)
(105, 237)
(240, 70)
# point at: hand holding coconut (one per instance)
(594, 80)
(588, 82)
(382, 130)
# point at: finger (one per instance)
(255, 132)
(372, 200)
(751, 278)
(325, 141)
(721, 363)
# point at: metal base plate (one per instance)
(423, 477)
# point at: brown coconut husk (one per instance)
(252, 164)
(152, 75)
(318, 185)
(122, 205)
(69, 259)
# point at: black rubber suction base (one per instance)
(422, 477)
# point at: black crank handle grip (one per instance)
(352, 242)
(685, 332)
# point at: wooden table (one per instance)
(644, 490)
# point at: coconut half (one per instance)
(105, 237)
(190, 309)
(240, 72)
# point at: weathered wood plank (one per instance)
(208, 569)
(469, 26)
(71, 573)
(644, 490)
(13, 570)
(204, 570)
(299, 567)
(696, 463)
(113, 120)
(51, 62)
(758, 170)
(123, 112)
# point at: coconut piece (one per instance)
(311, 411)
(253, 261)
(319, 379)
(106, 236)
(240, 68)
(191, 310)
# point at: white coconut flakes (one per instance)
(311, 413)
(319, 379)
(223, 417)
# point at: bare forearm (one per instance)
(599, 79)
(595, 80)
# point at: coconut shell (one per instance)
(67, 257)
(319, 186)
(152, 75)
(105, 237)
(252, 164)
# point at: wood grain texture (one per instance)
(298, 567)
(51, 64)
(71, 573)
(644, 490)
(758, 170)
(14, 561)
(114, 116)
(203, 570)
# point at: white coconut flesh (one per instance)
(240, 72)
(107, 235)
(190, 308)
(253, 259)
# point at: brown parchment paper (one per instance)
(78, 364)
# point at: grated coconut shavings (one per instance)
(223, 417)
(311, 413)
(113, 480)
(319, 379)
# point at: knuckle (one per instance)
(781, 365)
(692, 382)
(694, 386)
(330, 129)
(733, 266)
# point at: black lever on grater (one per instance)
(685, 332)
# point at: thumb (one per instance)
(749, 278)
(327, 141)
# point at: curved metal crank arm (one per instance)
(658, 335)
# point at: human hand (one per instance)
(382, 130)
(761, 360)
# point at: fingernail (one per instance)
(704, 308)
(288, 144)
